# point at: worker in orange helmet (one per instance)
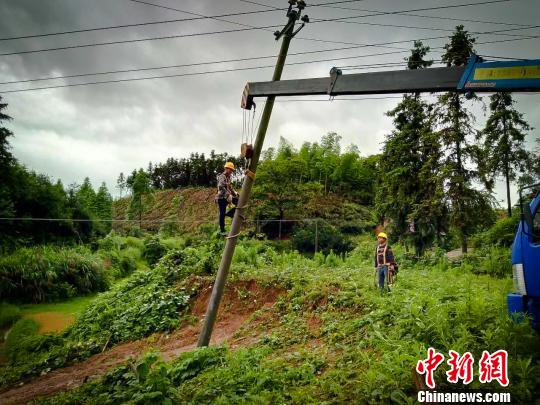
(384, 261)
(226, 195)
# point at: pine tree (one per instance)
(410, 189)
(87, 198)
(456, 129)
(504, 141)
(104, 208)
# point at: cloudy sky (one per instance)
(102, 130)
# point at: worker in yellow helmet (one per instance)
(226, 195)
(384, 261)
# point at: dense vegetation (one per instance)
(49, 273)
(330, 337)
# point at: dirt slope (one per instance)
(240, 301)
(190, 206)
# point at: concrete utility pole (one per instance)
(288, 32)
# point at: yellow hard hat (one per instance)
(382, 235)
(229, 165)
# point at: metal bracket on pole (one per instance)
(334, 74)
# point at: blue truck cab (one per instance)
(526, 258)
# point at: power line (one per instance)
(172, 75)
(350, 67)
(128, 41)
(223, 31)
(208, 72)
(190, 65)
(462, 20)
(437, 29)
(251, 26)
(227, 31)
(135, 24)
(148, 23)
(379, 13)
(146, 221)
(337, 99)
(413, 10)
(406, 13)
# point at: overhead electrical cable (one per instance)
(435, 28)
(253, 27)
(220, 32)
(234, 30)
(173, 75)
(128, 41)
(149, 23)
(188, 74)
(374, 14)
(380, 13)
(434, 17)
(190, 65)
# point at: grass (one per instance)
(333, 338)
(9, 314)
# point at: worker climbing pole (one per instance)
(252, 156)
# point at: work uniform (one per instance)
(384, 257)
(225, 194)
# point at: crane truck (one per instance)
(526, 258)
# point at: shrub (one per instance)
(8, 315)
(173, 243)
(170, 226)
(328, 238)
(50, 273)
(19, 337)
(491, 260)
(153, 250)
(135, 232)
(112, 242)
(502, 233)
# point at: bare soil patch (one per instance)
(52, 321)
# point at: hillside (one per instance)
(192, 207)
(291, 329)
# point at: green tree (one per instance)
(504, 141)
(140, 191)
(121, 183)
(104, 207)
(87, 197)
(331, 149)
(6, 164)
(460, 163)
(410, 189)
(278, 187)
